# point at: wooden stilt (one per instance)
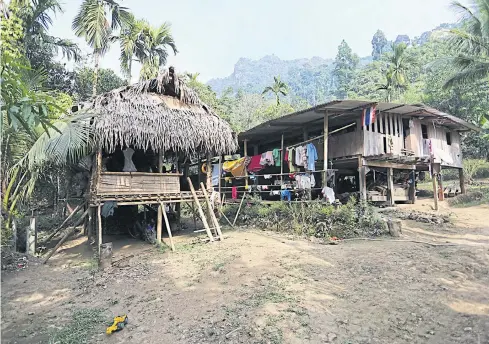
(441, 192)
(99, 218)
(168, 229)
(412, 188)
(159, 223)
(201, 212)
(211, 212)
(362, 183)
(462, 180)
(325, 149)
(435, 190)
(390, 185)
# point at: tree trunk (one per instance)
(95, 74)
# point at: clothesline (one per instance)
(276, 174)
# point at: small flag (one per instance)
(368, 115)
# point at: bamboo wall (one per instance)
(137, 183)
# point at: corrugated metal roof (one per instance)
(316, 113)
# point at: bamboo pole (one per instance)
(245, 152)
(160, 209)
(220, 174)
(168, 229)
(281, 161)
(99, 217)
(201, 212)
(325, 149)
(239, 209)
(64, 222)
(80, 220)
(211, 212)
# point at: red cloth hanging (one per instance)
(286, 155)
(254, 165)
(234, 192)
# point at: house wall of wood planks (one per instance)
(137, 183)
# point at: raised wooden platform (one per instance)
(183, 196)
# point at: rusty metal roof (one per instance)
(335, 108)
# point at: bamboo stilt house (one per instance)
(155, 120)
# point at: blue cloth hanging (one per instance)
(285, 195)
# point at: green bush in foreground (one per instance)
(315, 218)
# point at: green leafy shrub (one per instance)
(316, 218)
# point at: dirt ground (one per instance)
(261, 287)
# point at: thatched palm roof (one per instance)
(161, 113)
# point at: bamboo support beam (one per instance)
(65, 221)
(99, 217)
(201, 212)
(211, 212)
(168, 229)
(67, 235)
(325, 149)
(239, 209)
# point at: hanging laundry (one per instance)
(328, 194)
(298, 156)
(286, 195)
(215, 175)
(234, 192)
(291, 161)
(312, 157)
(368, 116)
(236, 167)
(276, 156)
(254, 165)
(286, 155)
(267, 176)
(267, 158)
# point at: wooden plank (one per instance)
(135, 174)
(461, 177)
(387, 164)
(211, 212)
(201, 212)
(167, 224)
(362, 182)
(159, 222)
(99, 220)
(325, 148)
(390, 185)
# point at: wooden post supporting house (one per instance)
(208, 165)
(325, 149)
(282, 154)
(245, 153)
(31, 236)
(462, 180)
(390, 185)
(167, 225)
(159, 218)
(362, 182)
(435, 170)
(412, 187)
(99, 229)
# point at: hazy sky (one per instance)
(212, 35)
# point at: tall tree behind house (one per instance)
(344, 69)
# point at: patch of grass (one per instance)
(91, 265)
(162, 247)
(219, 266)
(470, 199)
(84, 323)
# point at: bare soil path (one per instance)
(260, 287)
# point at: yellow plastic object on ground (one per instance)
(119, 323)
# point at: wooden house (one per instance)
(139, 128)
(382, 159)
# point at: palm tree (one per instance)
(192, 77)
(388, 87)
(471, 44)
(130, 42)
(154, 49)
(278, 87)
(398, 63)
(35, 15)
(95, 22)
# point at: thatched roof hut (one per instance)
(161, 114)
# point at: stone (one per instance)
(395, 227)
(331, 337)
